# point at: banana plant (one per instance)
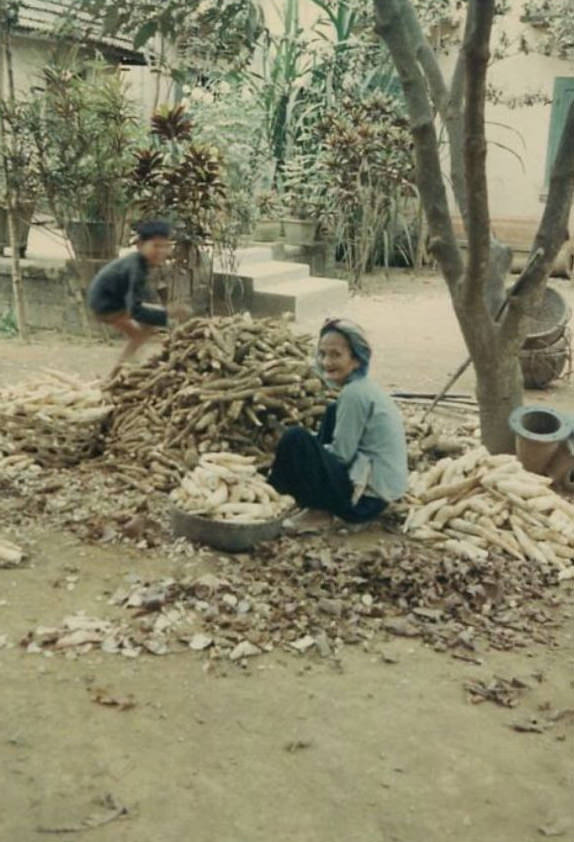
(342, 18)
(285, 63)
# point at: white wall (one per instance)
(30, 55)
(515, 189)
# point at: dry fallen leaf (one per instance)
(245, 649)
(558, 828)
(528, 726)
(112, 811)
(200, 641)
(102, 697)
(303, 644)
(501, 691)
(297, 745)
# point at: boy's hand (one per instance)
(179, 312)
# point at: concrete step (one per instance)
(306, 298)
(274, 271)
(249, 256)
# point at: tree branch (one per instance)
(551, 235)
(476, 54)
(448, 103)
(391, 26)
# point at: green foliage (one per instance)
(231, 119)
(212, 32)
(8, 323)
(179, 179)
(366, 165)
(18, 159)
(278, 85)
(84, 127)
(557, 18)
(432, 13)
(269, 205)
(9, 14)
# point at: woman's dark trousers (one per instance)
(315, 477)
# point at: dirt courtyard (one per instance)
(381, 745)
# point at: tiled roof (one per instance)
(45, 15)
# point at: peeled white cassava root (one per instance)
(56, 421)
(227, 486)
(481, 503)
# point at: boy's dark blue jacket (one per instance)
(121, 287)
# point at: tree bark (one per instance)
(493, 347)
(12, 197)
(498, 391)
(390, 25)
(476, 53)
(448, 101)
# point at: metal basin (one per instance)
(224, 535)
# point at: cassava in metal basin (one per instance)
(222, 534)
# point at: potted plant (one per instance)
(17, 170)
(268, 227)
(85, 129)
(302, 193)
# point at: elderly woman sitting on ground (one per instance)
(357, 463)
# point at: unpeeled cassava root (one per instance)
(217, 384)
(480, 503)
(227, 486)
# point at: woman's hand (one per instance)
(358, 491)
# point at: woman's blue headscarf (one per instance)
(355, 336)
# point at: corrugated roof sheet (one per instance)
(45, 15)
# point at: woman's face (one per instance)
(336, 358)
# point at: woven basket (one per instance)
(540, 366)
(547, 322)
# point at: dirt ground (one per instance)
(290, 749)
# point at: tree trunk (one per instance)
(17, 283)
(11, 196)
(499, 392)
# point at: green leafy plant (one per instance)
(227, 116)
(177, 178)
(181, 180)
(270, 205)
(557, 19)
(367, 167)
(305, 187)
(18, 160)
(85, 127)
(278, 85)
(212, 33)
(8, 323)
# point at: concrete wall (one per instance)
(49, 305)
(31, 54)
(516, 186)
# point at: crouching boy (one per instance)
(117, 294)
